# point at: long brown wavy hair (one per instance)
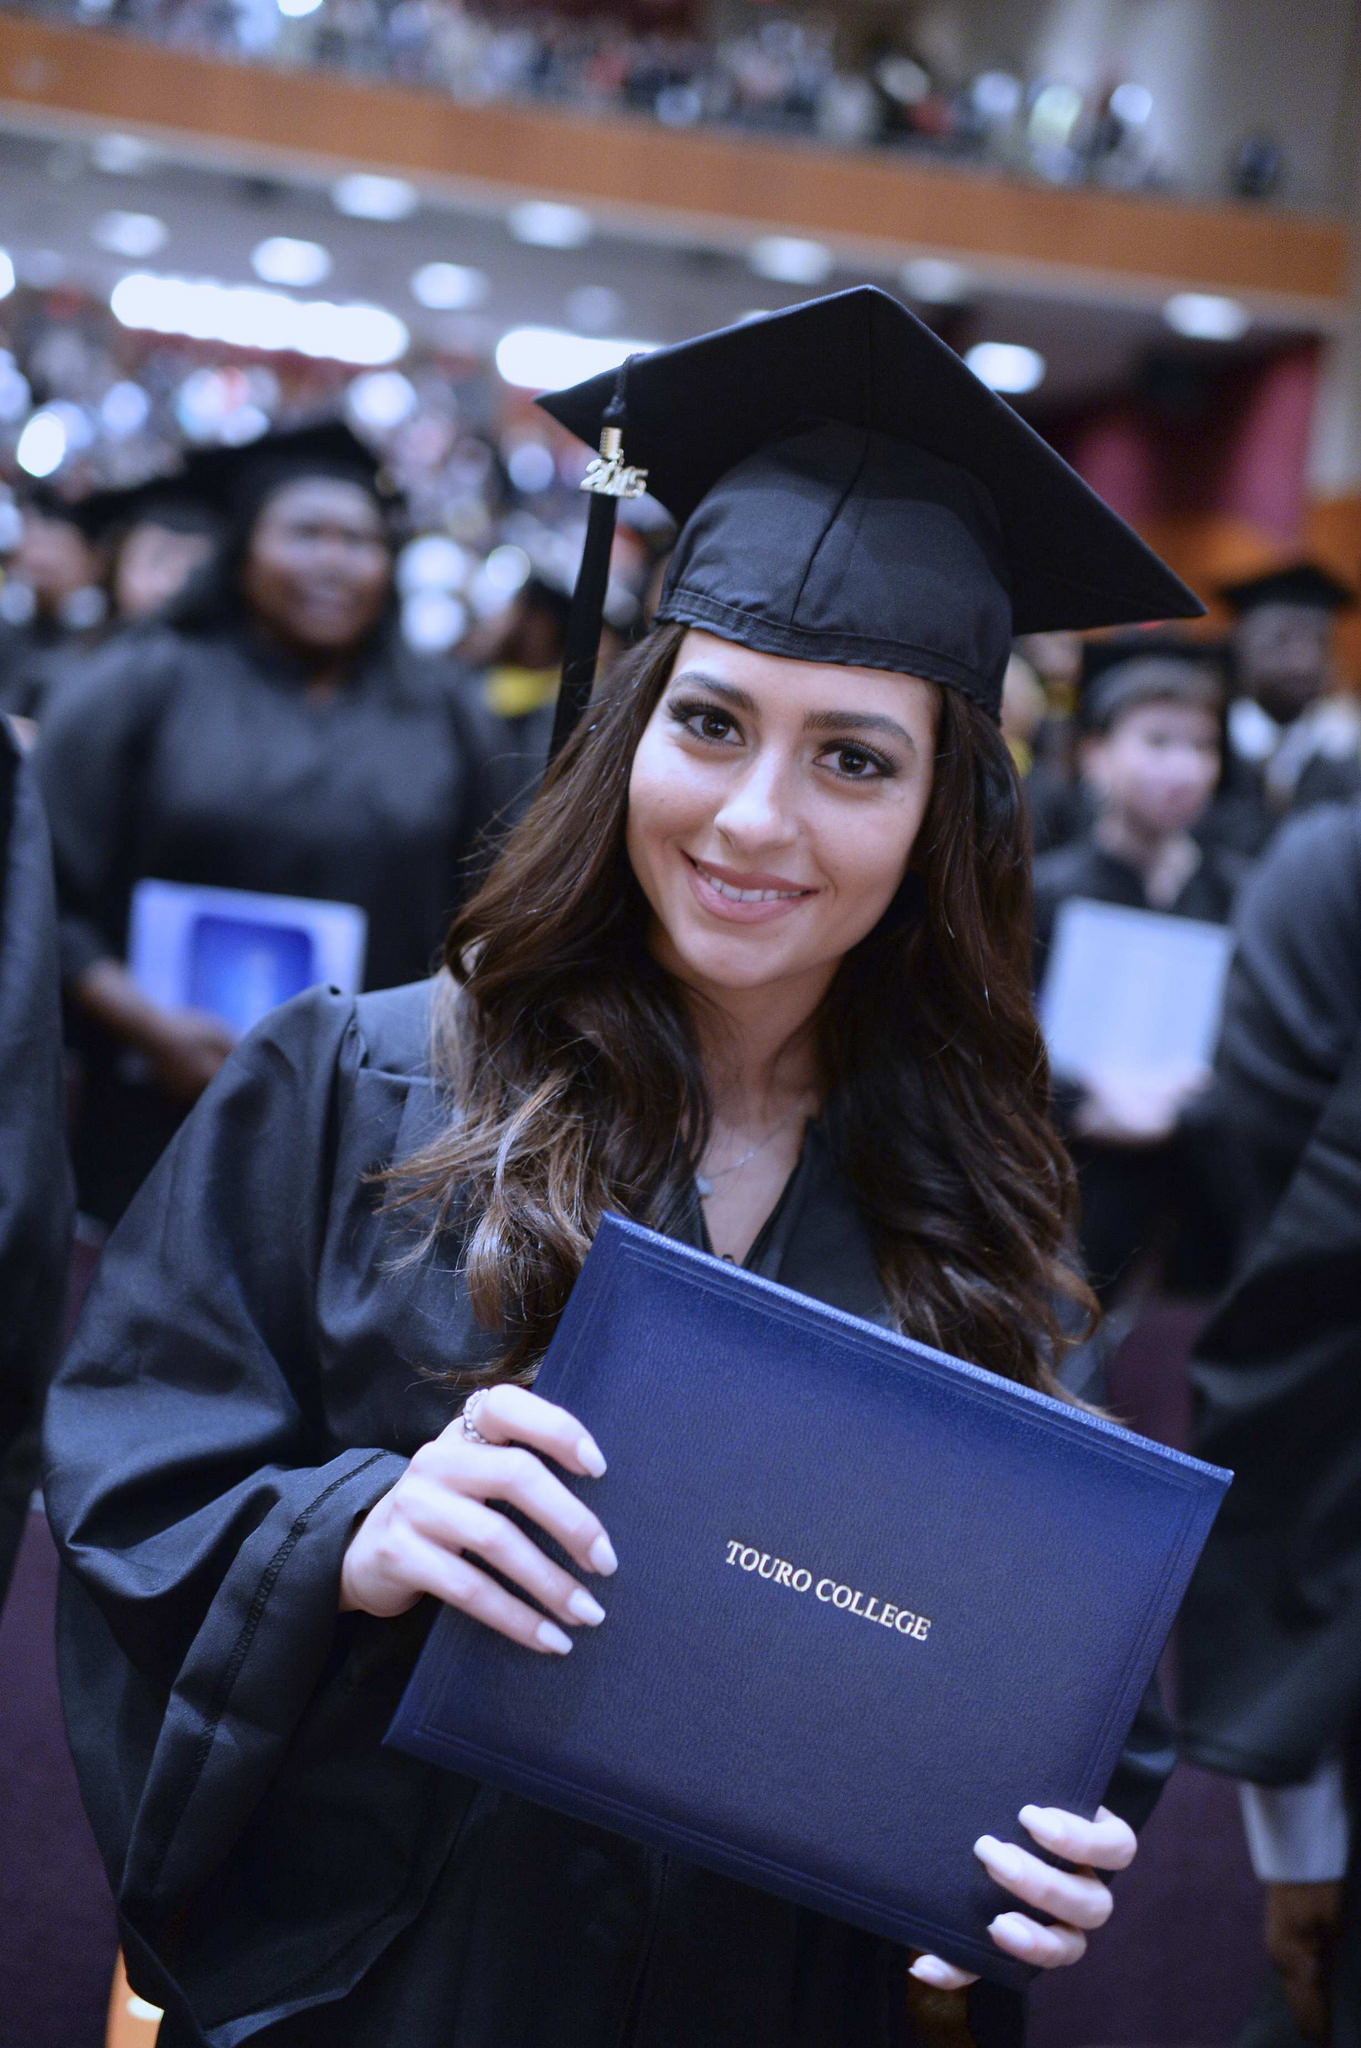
(575, 1083)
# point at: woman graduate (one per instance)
(754, 969)
(273, 735)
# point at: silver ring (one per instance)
(465, 1420)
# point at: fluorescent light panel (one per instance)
(1206, 316)
(549, 358)
(251, 317)
(366, 196)
(282, 259)
(1006, 366)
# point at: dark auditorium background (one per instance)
(1137, 219)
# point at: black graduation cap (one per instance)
(46, 503)
(181, 503)
(240, 479)
(848, 491)
(1301, 583)
(1120, 670)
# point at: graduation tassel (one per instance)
(608, 478)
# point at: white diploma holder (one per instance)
(1133, 993)
(237, 952)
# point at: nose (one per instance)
(758, 810)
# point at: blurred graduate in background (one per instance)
(273, 734)
(53, 599)
(1293, 735)
(1150, 716)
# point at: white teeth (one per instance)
(748, 895)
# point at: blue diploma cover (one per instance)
(870, 1601)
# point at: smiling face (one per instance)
(773, 808)
(317, 569)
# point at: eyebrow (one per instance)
(816, 721)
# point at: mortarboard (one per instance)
(179, 502)
(1298, 583)
(240, 479)
(849, 492)
(1121, 670)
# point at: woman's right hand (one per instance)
(185, 1049)
(427, 1533)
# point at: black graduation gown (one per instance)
(31, 661)
(198, 758)
(1271, 1630)
(1173, 1193)
(282, 1876)
(35, 1189)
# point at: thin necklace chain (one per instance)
(704, 1182)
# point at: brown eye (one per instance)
(860, 764)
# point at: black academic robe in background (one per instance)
(35, 1180)
(251, 1372)
(32, 659)
(1132, 1196)
(189, 757)
(1271, 1635)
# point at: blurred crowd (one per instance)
(1157, 768)
(840, 80)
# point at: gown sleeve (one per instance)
(91, 762)
(202, 1507)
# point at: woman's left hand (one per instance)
(1076, 1901)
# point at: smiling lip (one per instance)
(743, 898)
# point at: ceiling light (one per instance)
(121, 156)
(449, 287)
(130, 234)
(42, 445)
(1132, 103)
(1055, 113)
(433, 621)
(548, 224)
(249, 316)
(124, 409)
(1006, 366)
(433, 561)
(1205, 316)
(530, 466)
(789, 259)
(365, 196)
(549, 358)
(282, 260)
(997, 95)
(295, 9)
(381, 400)
(934, 280)
(6, 274)
(902, 80)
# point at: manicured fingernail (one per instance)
(1016, 1929)
(585, 1608)
(931, 1970)
(591, 1456)
(602, 1557)
(1003, 1856)
(553, 1638)
(1039, 1820)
